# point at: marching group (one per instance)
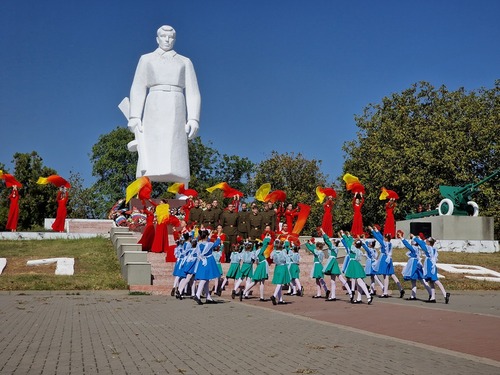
(254, 241)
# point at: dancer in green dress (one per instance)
(293, 267)
(234, 268)
(246, 270)
(332, 267)
(261, 273)
(317, 270)
(281, 274)
(356, 272)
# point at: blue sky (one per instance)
(287, 76)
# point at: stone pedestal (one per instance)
(137, 273)
(476, 228)
(132, 257)
(82, 225)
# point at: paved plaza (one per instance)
(112, 332)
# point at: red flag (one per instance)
(10, 180)
(275, 196)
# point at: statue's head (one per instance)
(165, 37)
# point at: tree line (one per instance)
(411, 142)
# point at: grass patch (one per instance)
(139, 294)
(96, 265)
(97, 268)
(454, 281)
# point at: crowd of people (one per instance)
(200, 250)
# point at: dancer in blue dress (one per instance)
(183, 245)
(206, 267)
(188, 268)
(385, 266)
(413, 270)
(430, 268)
(371, 255)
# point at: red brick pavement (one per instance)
(464, 332)
(443, 326)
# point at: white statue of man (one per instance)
(164, 111)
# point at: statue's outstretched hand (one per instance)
(191, 128)
(135, 123)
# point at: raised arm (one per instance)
(377, 235)
(422, 245)
(310, 247)
(368, 251)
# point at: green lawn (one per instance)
(97, 268)
(96, 265)
(459, 281)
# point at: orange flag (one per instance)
(353, 184)
(304, 211)
(388, 194)
(268, 250)
(54, 180)
(229, 192)
(322, 193)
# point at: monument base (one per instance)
(467, 228)
(83, 225)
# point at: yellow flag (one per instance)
(174, 188)
(384, 194)
(220, 185)
(262, 192)
(42, 181)
(320, 194)
(134, 187)
(162, 212)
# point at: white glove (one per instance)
(191, 128)
(135, 123)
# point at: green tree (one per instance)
(421, 138)
(81, 204)
(36, 202)
(114, 167)
(209, 167)
(298, 177)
